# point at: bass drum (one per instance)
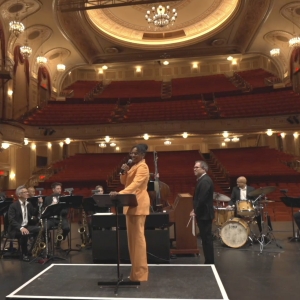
(234, 233)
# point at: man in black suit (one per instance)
(204, 209)
(54, 199)
(22, 218)
(241, 192)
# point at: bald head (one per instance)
(241, 182)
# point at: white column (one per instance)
(49, 153)
(12, 163)
(32, 157)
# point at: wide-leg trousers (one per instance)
(137, 247)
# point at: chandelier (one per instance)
(102, 145)
(61, 67)
(294, 42)
(162, 16)
(275, 52)
(41, 60)
(16, 27)
(25, 50)
(167, 142)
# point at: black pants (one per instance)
(205, 227)
(297, 219)
(23, 238)
(51, 222)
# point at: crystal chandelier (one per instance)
(41, 60)
(275, 52)
(61, 67)
(25, 50)
(167, 142)
(16, 27)
(162, 16)
(294, 42)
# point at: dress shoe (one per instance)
(25, 258)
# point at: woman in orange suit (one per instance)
(135, 179)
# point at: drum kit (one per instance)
(234, 222)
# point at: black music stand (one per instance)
(51, 211)
(71, 202)
(117, 201)
(4, 205)
(292, 202)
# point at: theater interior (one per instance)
(82, 82)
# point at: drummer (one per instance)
(241, 192)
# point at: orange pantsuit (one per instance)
(136, 182)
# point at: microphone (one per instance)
(128, 163)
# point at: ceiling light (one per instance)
(165, 62)
(227, 140)
(229, 58)
(269, 132)
(295, 134)
(167, 142)
(225, 134)
(283, 134)
(61, 67)
(185, 135)
(107, 139)
(67, 141)
(5, 145)
(104, 67)
(41, 60)
(16, 27)
(25, 50)
(146, 136)
(102, 145)
(294, 42)
(235, 139)
(113, 144)
(26, 141)
(162, 16)
(275, 52)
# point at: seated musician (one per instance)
(55, 220)
(241, 192)
(297, 219)
(22, 218)
(31, 194)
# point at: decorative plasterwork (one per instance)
(12, 134)
(205, 23)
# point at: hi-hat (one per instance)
(221, 197)
(262, 191)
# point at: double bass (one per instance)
(159, 197)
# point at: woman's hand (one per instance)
(113, 194)
(125, 168)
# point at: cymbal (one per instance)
(266, 201)
(262, 191)
(221, 197)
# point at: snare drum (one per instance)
(245, 208)
(222, 215)
(234, 233)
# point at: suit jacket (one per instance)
(15, 217)
(236, 194)
(203, 199)
(136, 182)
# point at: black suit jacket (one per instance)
(203, 199)
(15, 217)
(236, 194)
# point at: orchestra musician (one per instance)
(22, 218)
(135, 179)
(55, 220)
(204, 209)
(241, 192)
(31, 194)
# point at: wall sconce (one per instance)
(10, 93)
(117, 148)
(33, 146)
(146, 136)
(49, 145)
(283, 134)
(100, 71)
(61, 144)
(138, 69)
(12, 175)
(234, 62)
(295, 134)
(67, 141)
(185, 135)
(195, 65)
(223, 144)
(26, 141)
(269, 132)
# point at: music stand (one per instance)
(117, 201)
(4, 205)
(292, 202)
(71, 202)
(51, 211)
